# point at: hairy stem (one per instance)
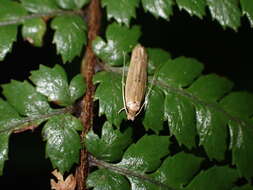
(126, 172)
(27, 123)
(87, 70)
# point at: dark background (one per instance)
(223, 51)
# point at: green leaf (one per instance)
(161, 8)
(24, 98)
(11, 10)
(52, 82)
(146, 154)
(121, 10)
(111, 145)
(245, 187)
(210, 87)
(66, 4)
(180, 72)
(8, 36)
(211, 122)
(4, 141)
(10, 120)
(180, 114)
(227, 12)
(63, 142)
(104, 179)
(247, 9)
(8, 116)
(33, 31)
(77, 87)
(120, 40)
(109, 94)
(7, 112)
(70, 36)
(156, 57)
(212, 130)
(81, 3)
(240, 103)
(71, 4)
(178, 170)
(40, 6)
(154, 115)
(214, 178)
(193, 7)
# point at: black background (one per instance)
(223, 51)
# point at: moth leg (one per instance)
(149, 91)
(142, 106)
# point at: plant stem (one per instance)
(123, 171)
(88, 64)
(28, 121)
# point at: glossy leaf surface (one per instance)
(180, 72)
(227, 12)
(9, 10)
(240, 103)
(109, 94)
(119, 41)
(214, 178)
(70, 36)
(161, 8)
(247, 9)
(181, 119)
(154, 115)
(25, 99)
(63, 141)
(193, 7)
(146, 154)
(52, 82)
(77, 87)
(40, 6)
(4, 141)
(33, 31)
(156, 57)
(177, 171)
(111, 180)
(111, 145)
(121, 10)
(8, 36)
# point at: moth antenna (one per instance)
(121, 110)
(123, 85)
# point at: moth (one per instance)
(135, 88)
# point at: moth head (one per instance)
(131, 115)
(132, 109)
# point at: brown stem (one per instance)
(88, 65)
